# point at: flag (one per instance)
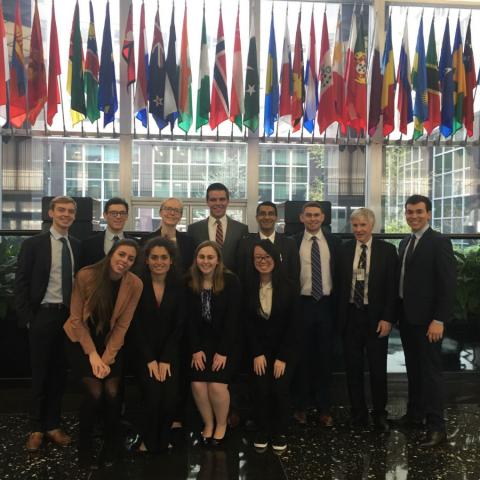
(388, 83)
(433, 83)
(404, 101)
(236, 92)
(271, 84)
(252, 84)
(18, 81)
(419, 82)
(37, 81)
(185, 75)
(356, 78)
(460, 86)
(446, 84)
(286, 82)
(4, 67)
(311, 83)
(171, 78)
(337, 73)
(375, 82)
(156, 76)
(141, 90)
(219, 106)
(92, 68)
(54, 70)
(128, 49)
(468, 112)
(298, 91)
(107, 85)
(203, 90)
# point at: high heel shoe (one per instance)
(217, 442)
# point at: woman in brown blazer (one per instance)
(104, 299)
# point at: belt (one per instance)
(53, 306)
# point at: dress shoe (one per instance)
(34, 441)
(433, 439)
(279, 443)
(59, 437)
(300, 417)
(381, 425)
(407, 421)
(326, 420)
(261, 441)
(217, 442)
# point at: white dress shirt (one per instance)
(265, 294)
(108, 240)
(356, 258)
(212, 227)
(265, 237)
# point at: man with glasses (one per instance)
(97, 246)
(171, 211)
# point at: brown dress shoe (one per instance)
(59, 437)
(300, 417)
(34, 441)
(326, 420)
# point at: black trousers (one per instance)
(360, 337)
(272, 399)
(424, 371)
(314, 370)
(49, 368)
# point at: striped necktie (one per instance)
(359, 290)
(317, 287)
(219, 233)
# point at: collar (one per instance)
(368, 244)
(265, 237)
(109, 234)
(307, 235)
(419, 233)
(56, 235)
(213, 220)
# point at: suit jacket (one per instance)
(185, 246)
(157, 330)
(76, 326)
(288, 251)
(430, 279)
(382, 281)
(235, 232)
(92, 250)
(33, 273)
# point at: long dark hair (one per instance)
(195, 281)
(173, 275)
(100, 298)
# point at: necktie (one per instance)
(115, 239)
(66, 272)
(359, 290)
(411, 247)
(317, 288)
(219, 233)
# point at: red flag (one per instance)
(4, 69)
(128, 50)
(18, 82)
(236, 92)
(326, 106)
(37, 82)
(298, 93)
(337, 73)
(285, 109)
(54, 70)
(470, 80)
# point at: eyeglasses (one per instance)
(117, 214)
(178, 211)
(262, 258)
(266, 214)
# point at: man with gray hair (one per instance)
(366, 301)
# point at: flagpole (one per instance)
(45, 120)
(61, 100)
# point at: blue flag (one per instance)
(107, 89)
(271, 85)
(419, 80)
(171, 69)
(446, 84)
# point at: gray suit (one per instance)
(235, 232)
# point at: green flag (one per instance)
(203, 93)
(252, 84)
(91, 72)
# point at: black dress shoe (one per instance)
(433, 439)
(381, 425)
(205, 441)
(217, 442)
(408, 422)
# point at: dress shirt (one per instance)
(265, 237)
(306, 264)
(54, 292)
(108, 241)
(265, 294)
(212, 227)
(358, 252)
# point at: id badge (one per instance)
(360, 275)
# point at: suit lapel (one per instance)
(48, 253)
(350, 259)
(374, 258)
(421, 242)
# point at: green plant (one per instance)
(9, 247)
(468, 285)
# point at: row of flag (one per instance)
(298, 95)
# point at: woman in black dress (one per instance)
(104, 299)
(213, 301)
(272, 330)
(157, 330)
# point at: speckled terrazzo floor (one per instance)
(313, 453)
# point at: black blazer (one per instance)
(278, 335)
(157, 330)
(185, 247)
(382, 281)
(33, 272)
(288, 251)
(430, 279)
(225, 318)
(92, 249)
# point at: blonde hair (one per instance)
(196, 277)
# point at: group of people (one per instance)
(195, 308)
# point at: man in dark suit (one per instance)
(171, 211)
(427, 296)
(43, 286)
(98, 245)
(267, 218)
(318, 251)
(219, 227)
(366, 303)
